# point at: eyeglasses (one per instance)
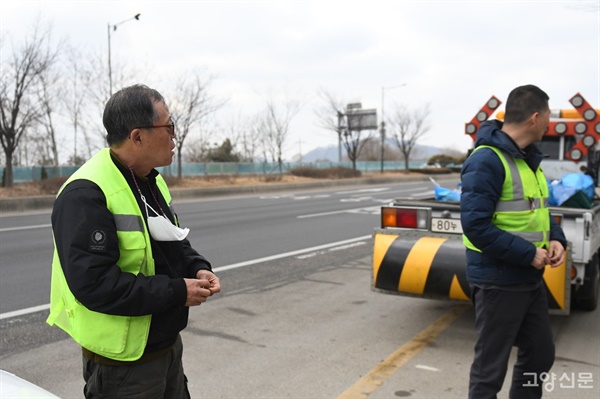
(170, 125)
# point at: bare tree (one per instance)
(94, 85)
(73, 100)
(48, 93)
(189, 106)
(251, 141)
(245, 134)
(196, 149)
(408, 127)
(19, 108)
(331, 116)
(370, 151)
(37, 151)
(277, 127)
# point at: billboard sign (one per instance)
(361, 119)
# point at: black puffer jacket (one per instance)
(505, 258)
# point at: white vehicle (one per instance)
(418, 249)
(13, 387)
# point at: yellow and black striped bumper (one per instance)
(425, 265)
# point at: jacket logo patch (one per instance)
(97, 241)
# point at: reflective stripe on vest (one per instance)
(129, 223)
(531, 237)
(521, 205)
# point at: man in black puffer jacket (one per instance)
(510, 238)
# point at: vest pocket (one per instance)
(132, 246)
(116, 337)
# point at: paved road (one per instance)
(308, 326)
(225, 230)
(302, 321)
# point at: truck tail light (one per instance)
(409, 218)
(557, 218)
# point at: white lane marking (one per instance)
(428, 193)
(22, 312)
(365, 190)
(340, 248)
(39, 226)
(356, 199)
(354, 210)
(294, 196)
(34, 309)
(289, 254)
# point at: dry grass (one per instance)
(51, 186)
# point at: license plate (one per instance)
(441, 225)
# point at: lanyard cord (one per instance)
(151, 192)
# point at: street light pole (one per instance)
(340, 120)
(382, 130)
(114, 28)
(109, 66)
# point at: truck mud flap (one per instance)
(432, 266)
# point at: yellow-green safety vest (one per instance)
(522, 209)
(116, 337)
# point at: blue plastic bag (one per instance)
(551, 198)
(563, 189)
(445, 194)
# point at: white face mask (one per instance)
(161, 228)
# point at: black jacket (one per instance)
(93, 275)
(505, 258)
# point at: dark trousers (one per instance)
(505, 319)
(161, 378)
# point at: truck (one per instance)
(418, 249)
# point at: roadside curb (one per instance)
(23, 204)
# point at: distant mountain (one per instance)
(330, 153)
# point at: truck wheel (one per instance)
(587, 294)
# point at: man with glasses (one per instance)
(123, 273)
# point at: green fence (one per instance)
(24, 174)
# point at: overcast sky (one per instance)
(451, 54)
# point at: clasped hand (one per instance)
(553, 256)
(199, 289)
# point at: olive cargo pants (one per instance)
(160, 378)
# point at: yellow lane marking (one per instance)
(418, 263)
(377, 376)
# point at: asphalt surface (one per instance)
(296, 318)
(226, 229)
(310, 327)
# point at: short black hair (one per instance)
(523, 101)
(128, 108)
